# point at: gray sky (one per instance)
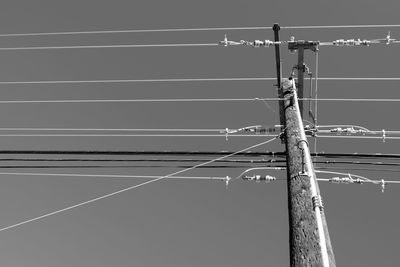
(175, 222)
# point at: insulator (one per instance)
(350, 42)
(259, 178)
(339, 42)
(358, 181)
(337, 130)
(268, 43)
(365, 42)
(341, 180)
(258, 43)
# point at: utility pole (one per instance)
(310, 243)
(308, 234)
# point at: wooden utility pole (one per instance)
(308, 234)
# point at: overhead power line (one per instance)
(110, 129)
(133, 187)
(104, 46)
(192, 153)
(192, 80)
(139, 80)
(110, 176)
(135, 100)
(131, 31)
(191, 100)
(192, 29)
(342, 26)
(134, 135)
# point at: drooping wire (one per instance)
(133, 187)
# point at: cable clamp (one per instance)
(317, 202)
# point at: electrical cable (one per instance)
(103, 46)
(131, 31)
(357, 137)
(137, 80)
(135, 100)
(341, 26)
(191, 80)
(190, 100)
(135, 135)
(110, 129)
(191, 29)
(131, 187)
(109, 175)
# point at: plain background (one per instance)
(175, 222)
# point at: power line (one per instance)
(195, 153)
(135, 100)
(138, 80)
(132, 31)
(341, 26)
(191, 29)
(104, 46)
(110, 129)
(132, 187)
(357, 137)
(191, 100)
(111, 176)
(134, 135)
(193, 80)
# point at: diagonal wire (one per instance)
(132, 187)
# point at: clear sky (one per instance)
(176, 222)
